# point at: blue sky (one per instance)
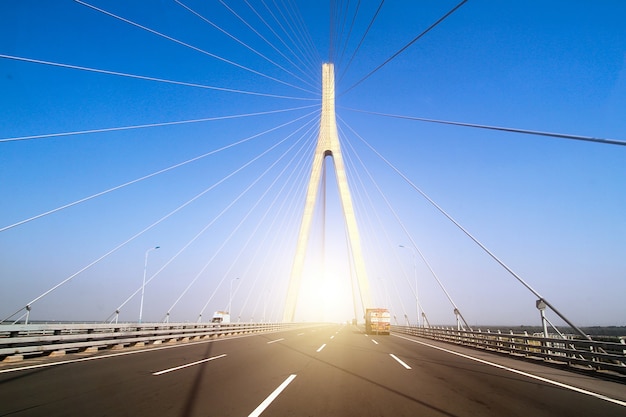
(551, 209)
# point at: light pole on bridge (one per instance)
(417, 303)
(143, 283)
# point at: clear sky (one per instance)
(551, 209)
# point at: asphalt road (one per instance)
(323, 371)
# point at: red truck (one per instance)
(377, 321)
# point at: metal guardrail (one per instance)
(19, 341)
(606, 357)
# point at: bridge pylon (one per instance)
(327, 146)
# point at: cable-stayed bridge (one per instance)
(157, 160)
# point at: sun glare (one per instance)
(325, 296)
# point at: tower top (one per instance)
(328, 122)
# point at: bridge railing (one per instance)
(582, 354)
(22, 340)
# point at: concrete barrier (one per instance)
(605, 357)
(19, 341)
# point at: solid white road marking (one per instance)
(321, 347)
(257, 411)
(399, 361)
(274, 341)
(375, 342)
(517, 371)
(187, 365)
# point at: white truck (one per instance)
(222, 317)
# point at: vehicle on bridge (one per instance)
(222, 317)
(377, 321)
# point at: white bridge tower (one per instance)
(327, 146)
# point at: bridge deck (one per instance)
(331, 370)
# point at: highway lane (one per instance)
(537, 387)
(125, 384)
(356, 377)
(323, 371)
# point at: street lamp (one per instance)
(417, 303)
(143, 283)
(230, 296)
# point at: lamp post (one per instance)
(143, 283)
(230, 296)
(417, 303)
